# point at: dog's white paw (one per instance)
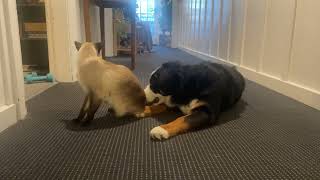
(159, 133)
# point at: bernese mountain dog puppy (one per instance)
(200, 91)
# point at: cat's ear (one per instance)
(78, 45)
(99, 46)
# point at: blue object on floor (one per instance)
(33, 77)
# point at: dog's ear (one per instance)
(78, 45)
(99, 46)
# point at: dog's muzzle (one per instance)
(152, 98)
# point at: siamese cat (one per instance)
(106, 82)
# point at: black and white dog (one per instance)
(200, 91)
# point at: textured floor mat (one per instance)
(266, 136)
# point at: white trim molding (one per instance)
(7, 116)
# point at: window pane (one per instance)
(144, 4)
(145, 10)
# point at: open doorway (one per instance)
(158, 15)
(34, 46)
(146, 15)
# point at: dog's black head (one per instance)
(167, 80)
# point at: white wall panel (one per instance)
(202, 29)
(189, 26)
(186, 27)
(175, 20)
(237, 30)
(279, 29)
(181, 23)
(208, 21)
(215, 28)
(3, 58)
(254, 35)
(305, 62)
(2, 89)
(274, 42)
(225, 28)
(182, 9)
(197, 24)
(191, 23)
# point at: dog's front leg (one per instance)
(180, 125)
(152, 110)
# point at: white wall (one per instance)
(273, 42)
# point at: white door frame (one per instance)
(13, 106)
(12, 97)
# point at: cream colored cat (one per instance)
(106, 82)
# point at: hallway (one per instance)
(266, 133)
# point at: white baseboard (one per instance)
(8, 116)
(300, 93)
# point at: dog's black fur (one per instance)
(219, 86)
